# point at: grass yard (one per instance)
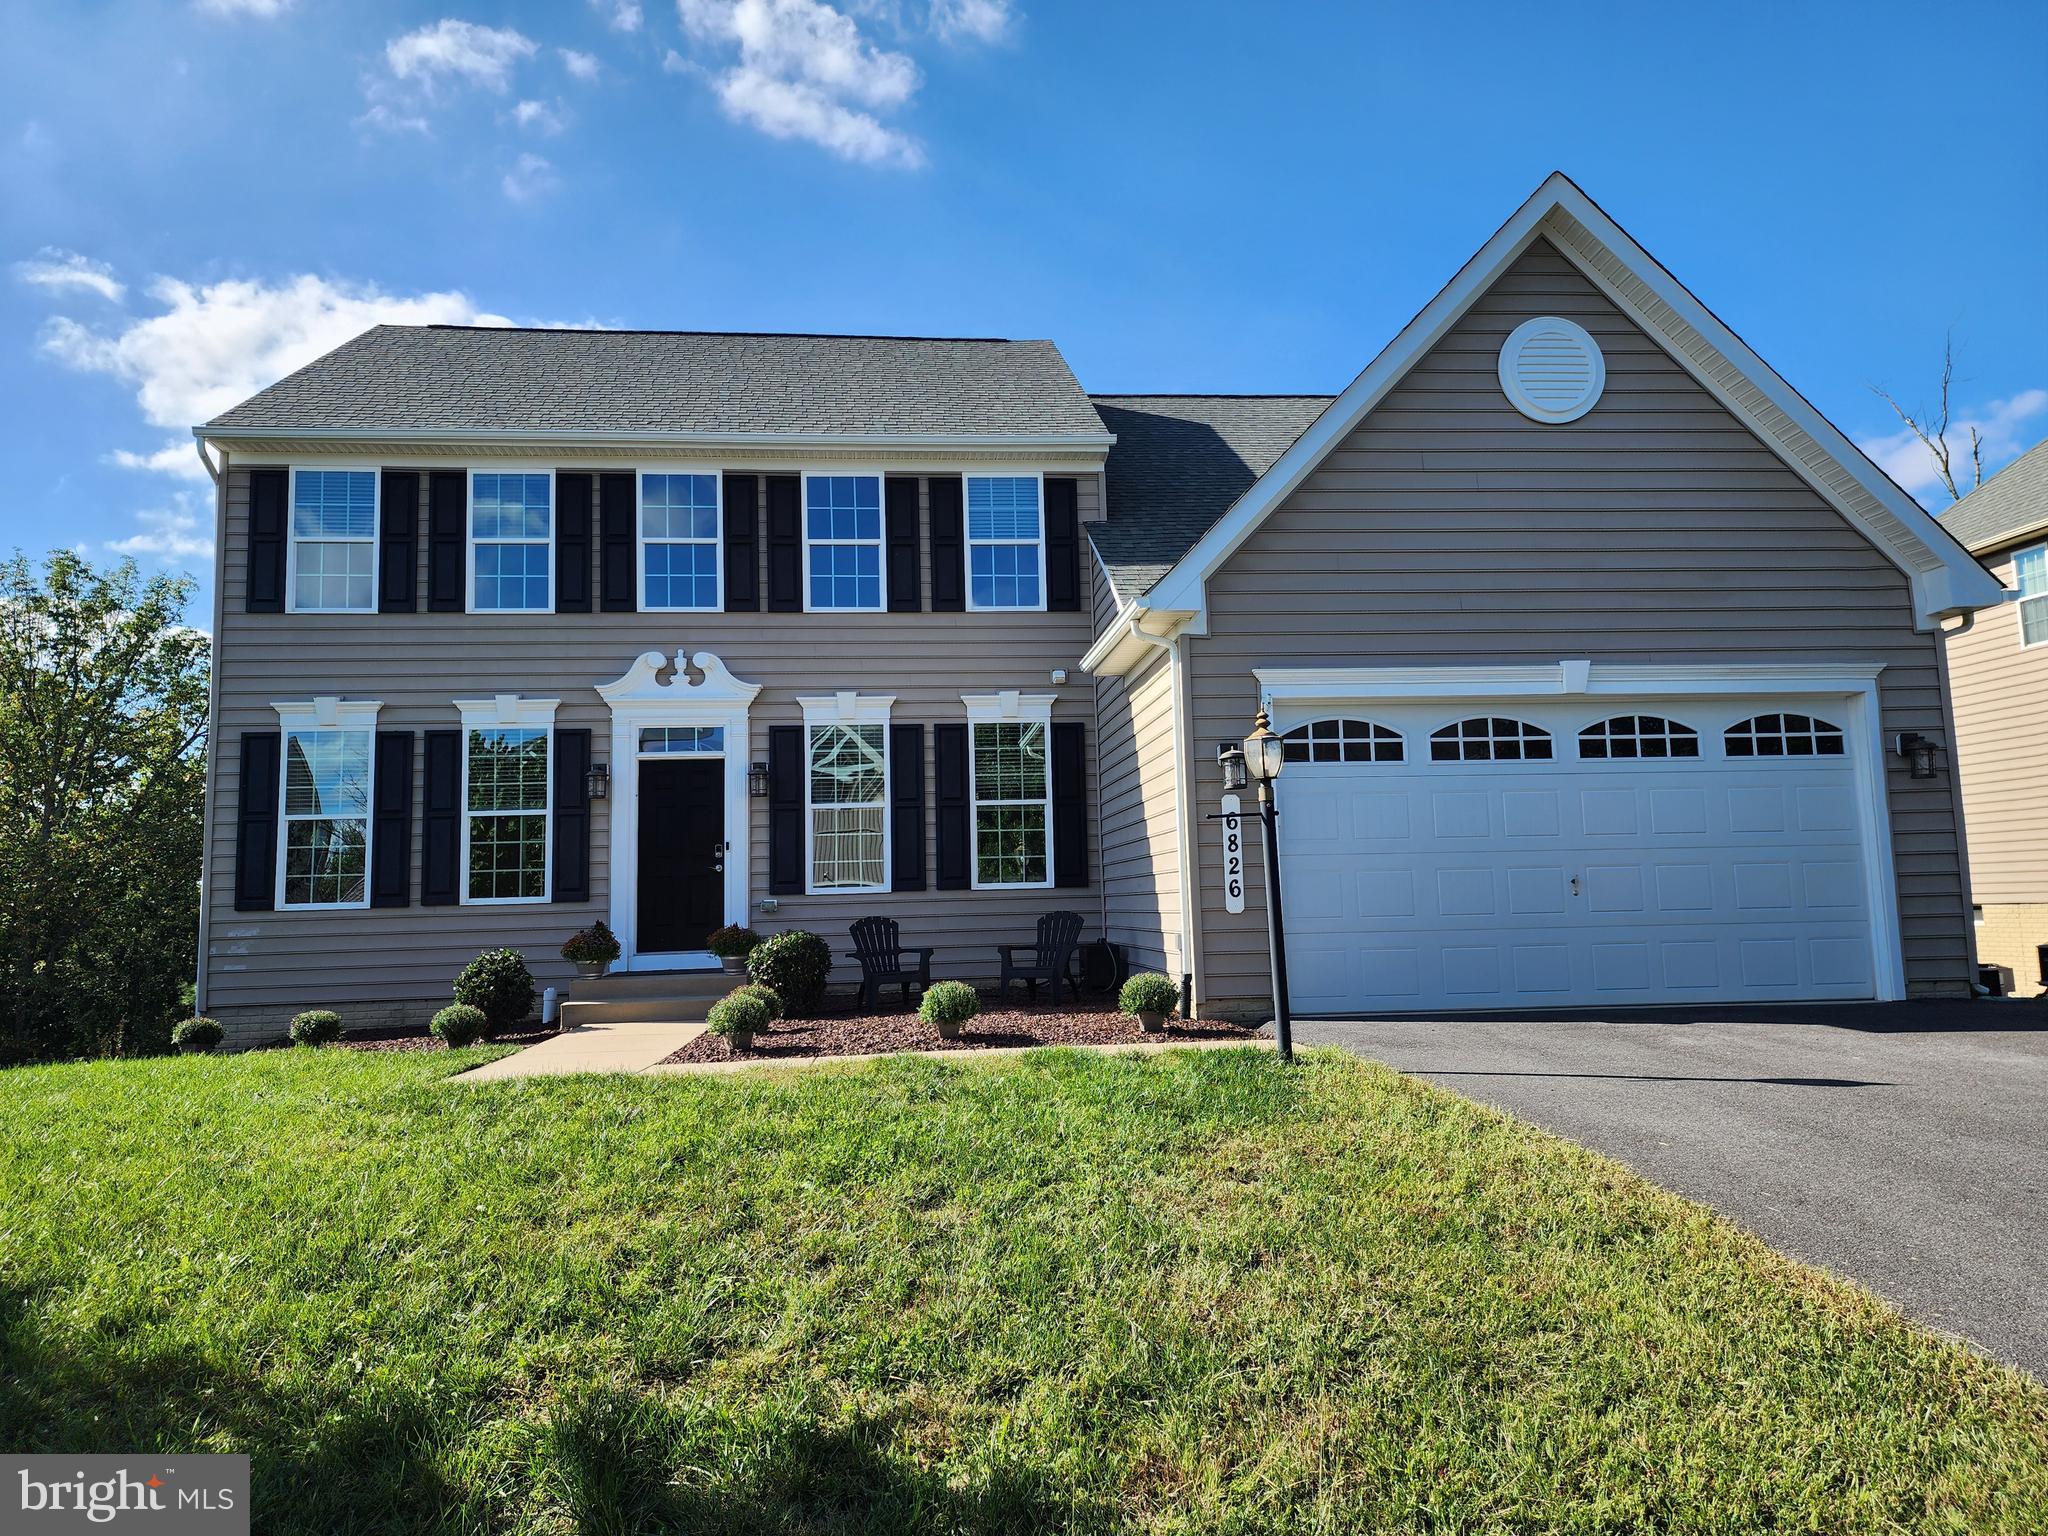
(1185, 1293)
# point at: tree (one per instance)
(103, 699)
(1932, 428)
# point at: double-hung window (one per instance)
(1012, 789)
(511, 539)
(325, 804)
(846, 794)
(506, 799)
(2030, 570)
(334, 540)
(1005, 542)
(679, 542)
(843, 543)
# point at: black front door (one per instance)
(682, 836)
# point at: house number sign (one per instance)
(1233, 855)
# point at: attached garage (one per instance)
(1614, 848)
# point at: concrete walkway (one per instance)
(592, 1048)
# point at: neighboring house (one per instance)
(1590, 633)
(1998, 678)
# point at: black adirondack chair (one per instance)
(1049, 960)
(878, 946)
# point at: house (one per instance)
(1998, 678)
(1590, 638)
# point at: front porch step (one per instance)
(638, 1010)
(621, 985)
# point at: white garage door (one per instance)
(1603, 853)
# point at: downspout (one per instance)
(220, 556)
(1183, 791)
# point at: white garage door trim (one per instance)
(1290, 694)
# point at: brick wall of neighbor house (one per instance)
(1450, 529)
(1998, 690)
(394, 965)
(2011, 934)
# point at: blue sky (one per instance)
(197, 195)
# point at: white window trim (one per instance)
(292, 540)
(846, 709)
(880, 542)
(2019, 604)
(641, 541)
(470, 542)
(968, 541)
(1008, 708)
(326, 713)
(508, 710)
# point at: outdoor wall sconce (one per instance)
(757, 781)
(1918, 752)
(597, 783)
(1230, 758)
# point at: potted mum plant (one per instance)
(949, 1004)
(738, 1016)
(592, 950)
(732, 944)
(1149, 998)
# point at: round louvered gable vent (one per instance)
(1552, 370)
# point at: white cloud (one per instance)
(540, 117)
(178, 457)
(2003, 425)
(174, 534)
(532, 176)
(974, 21)
(385, 118)
(481, 55)
(264, 8)
(60, 270)
(581, 65)
(804, 71)
(620, 15)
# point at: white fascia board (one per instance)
(735, 441)
(1566, 679)
(1134, 635)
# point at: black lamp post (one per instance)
(1260, 760)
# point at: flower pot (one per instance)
(948, 1030)
(592, 968)
(1151, 1021)
(733, 965)
(740, 1040)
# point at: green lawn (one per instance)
(1194, 1292)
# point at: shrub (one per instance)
(595, 945)
(498, 982)
(737, 1013)
(316, 1026)
(200, 1033)
(949, 1004)
(732, 941)
(1148, 993)
(795, 964)
(460, 1024)
(770, 998)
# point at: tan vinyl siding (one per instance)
(1449, 529)
(375, 963)
(1140, 845)
(1999, 690)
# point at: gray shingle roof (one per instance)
(463, 378)
(1179, 463)
(2012, 501)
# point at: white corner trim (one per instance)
(641, 683)
(507, 710)
(1008, 707)
(847, 708)
(328, 713)
(1564, 678)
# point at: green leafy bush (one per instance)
(737, 1013)
(460, 1024)
(498, 982)
(770, 998)
(200, 1034)
(1148, 992)
(316, 1026)
(949, 1004)
(795, 964)
(595, 945)
(732, 941)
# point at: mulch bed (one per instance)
(436, 1043)
(869, 1034)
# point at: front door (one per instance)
(682, 854)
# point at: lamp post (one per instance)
(1260, 760)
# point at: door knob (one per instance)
(1575, 885)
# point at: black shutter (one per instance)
(441, 820)
(949, 553)
(572, 816)
(264, 592)
(785, 810)
(742, 545)
(447, 508)
(949, 771)
(1062, 547)
(391, 828)
(398, 542)
(906, 807)
(785, 545)
(572, 543)
(1070, 804)
(620, 508)
(256, 822)
(902, 551)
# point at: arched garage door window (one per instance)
(1489, 739)
(1784, 736)
(1638, 736)
(1342, 741)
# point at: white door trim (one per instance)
(638, 699)
(1853, 684)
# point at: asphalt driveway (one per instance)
(1904, 1145)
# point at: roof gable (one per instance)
(2011, 505)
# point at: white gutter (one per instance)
(735, 440)
(1120, 646)
(212, 776)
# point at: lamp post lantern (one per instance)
(1264, 756)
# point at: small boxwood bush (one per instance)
(737, 1013)
(732, 941)
(460, 1024)
(201, 1034)
(1148, 993)
(498, 982)
(316, 1026)
(795, 964)
(949, 1004)
(770, 998)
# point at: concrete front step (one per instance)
(637, 1010)
(645, 997)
